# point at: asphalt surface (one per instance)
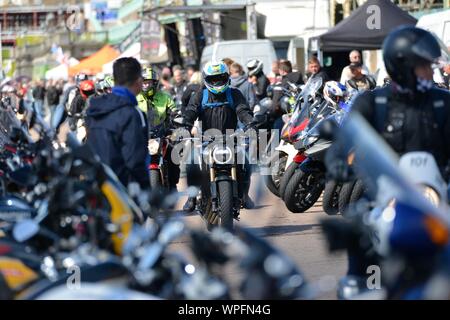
(298, 235)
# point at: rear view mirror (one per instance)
(278, 88)
(179, 121)
(25, 230)
(269, 91)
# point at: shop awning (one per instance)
(94, 63)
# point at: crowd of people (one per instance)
(121, 109)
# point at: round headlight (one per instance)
(431, 195)
(222, 155)
(153, 146)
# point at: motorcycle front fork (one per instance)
(213, 217)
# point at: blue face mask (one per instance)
(423, 85)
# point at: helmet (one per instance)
(151, 80)
(108, 84)
(334, 92)
(99, 87)
(216, 77)
(8, 89)
(99, 76)
(80, 77)
(87, 88)
(404, 49)
(254, 67)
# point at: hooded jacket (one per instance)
(241, 83)
(117, 132)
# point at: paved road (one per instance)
(299, 235)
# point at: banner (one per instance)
(150, 38)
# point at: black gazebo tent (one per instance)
(358, 31)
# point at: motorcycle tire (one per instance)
(273, 180)
(330, 198)
(225, 193)
(357, 192)
(344, 196)
(155, 179)
(303, 191)
(286, 178)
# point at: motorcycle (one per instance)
(305, 106)
(308, 180)
(397, 228)
(284, 153)
(158, 146)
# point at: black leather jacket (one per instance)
(411, 122)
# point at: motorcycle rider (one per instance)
(287, 75)
(409, 113)
(257, 77)
(158, 106)
(219, 106)
(80, 102)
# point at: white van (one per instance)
(241, 51)
(438, 23)
(298, 50)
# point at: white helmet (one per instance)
(8, 89)
(334, 92)
(254, 67)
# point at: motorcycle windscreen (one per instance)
(377, 164)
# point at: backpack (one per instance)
(209, 105)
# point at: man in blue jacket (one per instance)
(116, 129)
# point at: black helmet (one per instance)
(404, 49)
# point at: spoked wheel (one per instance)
(303, 191)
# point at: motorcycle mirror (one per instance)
(269, 91)
(260, 118)
(25, 230)
(57, 117)
(180, 121)
(278, 88)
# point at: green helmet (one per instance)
(151, 80)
